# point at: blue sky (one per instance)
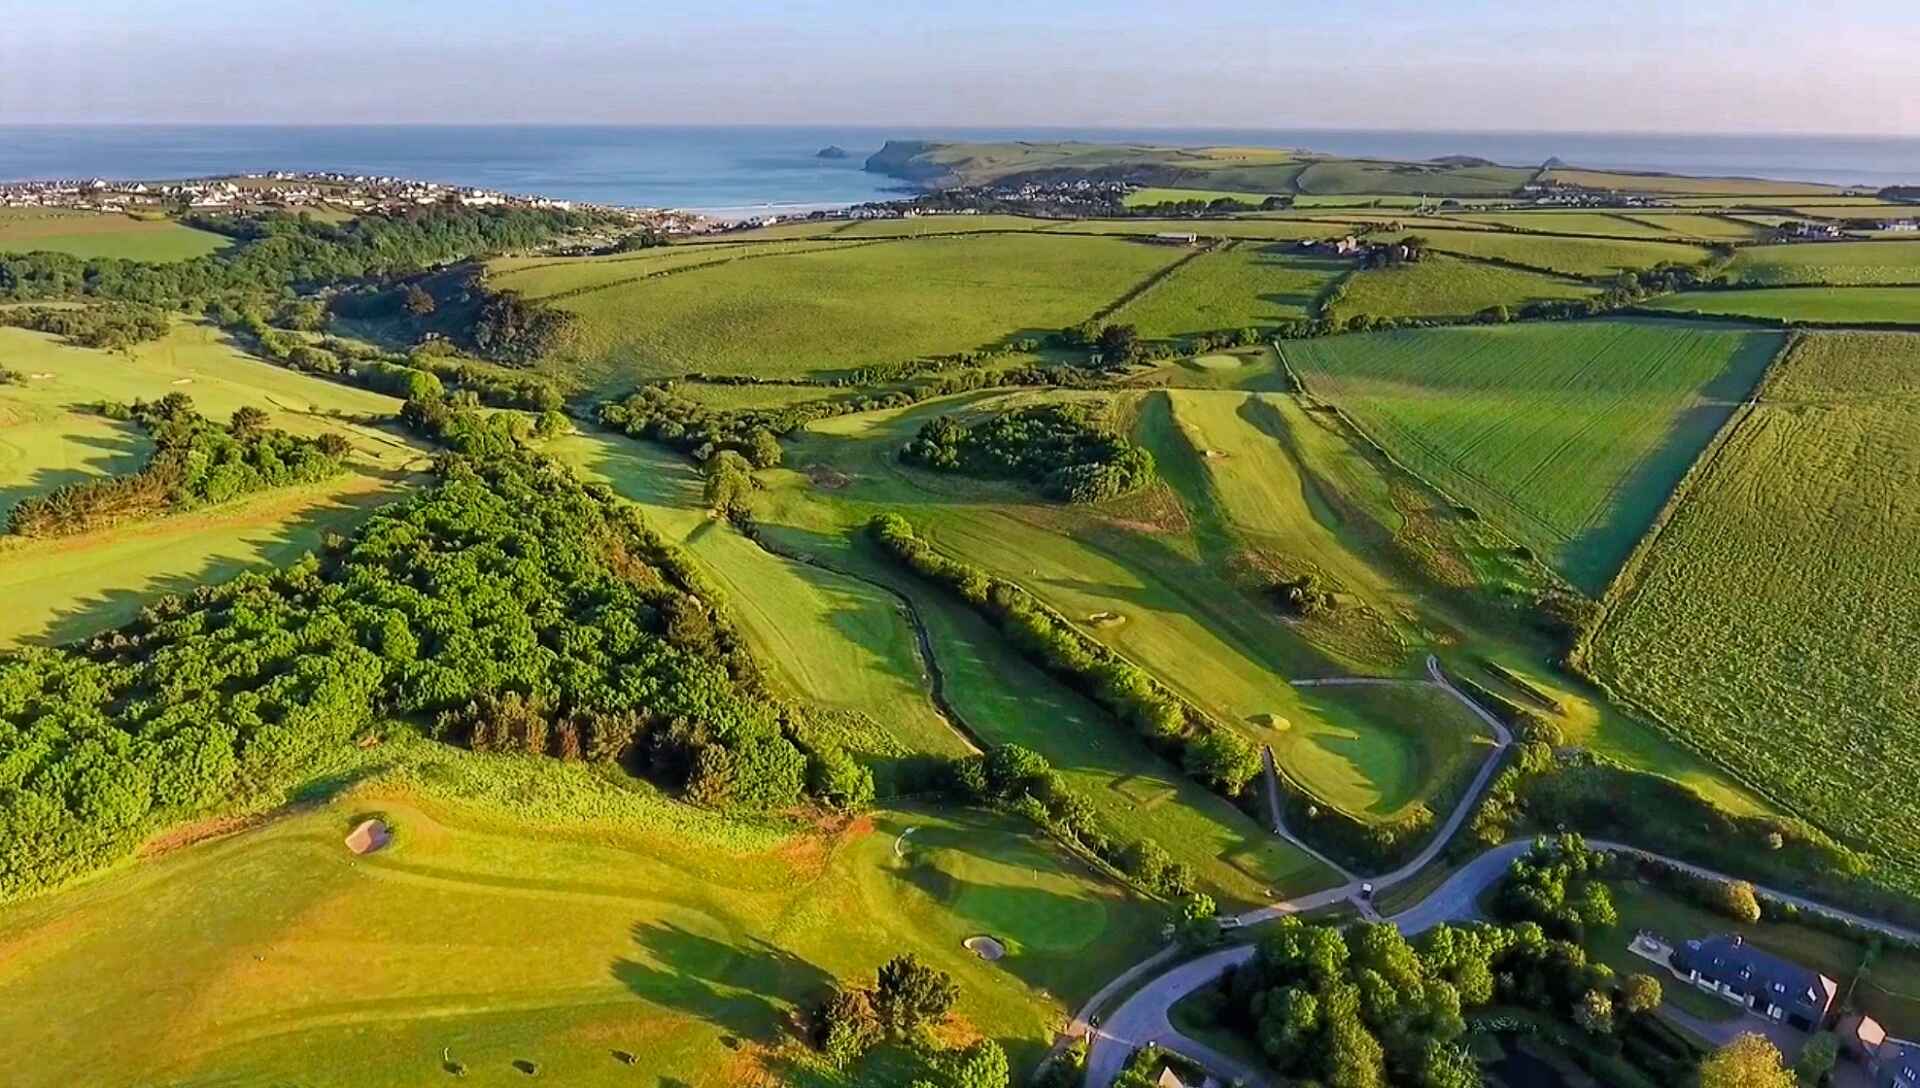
(1613, 65)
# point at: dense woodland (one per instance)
(509, 606)
(1070, 451)
(195, 462)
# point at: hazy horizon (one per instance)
(1731, 67)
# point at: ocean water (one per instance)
(735, 170)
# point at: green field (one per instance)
(926, 225)
(1439, 286)
(548, 277)
(1685, 186)
(1150, 195)
(1707, 228)
(65, 589)
(1840, 264)
(1419, 179)
(102, 234)
(1555, 222)
(1247, 285)
(489, 934)
(1569, 436)
(1595, 257)
(1772, 620)
(1274, 229)
(1816, 305)
(829, 310)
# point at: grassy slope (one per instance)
(1248, 285)
(1772, 620)
(1667, 183)
(1447, 287)
(1569, 436)
(1830, 305)
(490, 935)
(97, 234)
(62, 589)
(1367, 176)
(831, 310)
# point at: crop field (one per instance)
(1569, 436)
(1448, 287)
(1365, 176)
(102, 234)
(1839, 264)
(1772, 621)
(1570, 223)
(484, 938)
(64, 589)
(1667, 183)
(1248, 285)
(831, 310)
(1569, 256)
(1814, 305)
(1707, 228)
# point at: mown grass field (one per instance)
(64, 589)
(1772, 620)
(102, 234)
(1247, 285)
(488, 934)
(1840, 264)
(830, 310)
(1595, 257)
(1569, 436)
(1441, 286)
(1817, 305)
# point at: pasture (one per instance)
(1569, 436)
(1259, 229)
(1771, 621)
(1565, 255)
(485, 935)
(1558, 222)
(1706, 228)
(1440, 286)
(1810, 305)
(1327, 176)
(1838, 264)
(1246, 285)
(555, 277)
(1685, 186)
(1151, 195)
(63, 589)
(826, 311)
(102, 234)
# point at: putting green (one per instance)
(1218, 361)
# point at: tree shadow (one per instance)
(120, 453)
(729, 984)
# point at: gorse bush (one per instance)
(1068, 450)
(509, 607)
(195, 462)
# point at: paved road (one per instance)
(1142, 1018)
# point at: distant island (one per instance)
(832, 151)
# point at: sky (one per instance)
(1514, 65)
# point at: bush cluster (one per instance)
(508, 576)
(1559, 883)
(195, 462)
(110, 326)
(1210, 753)
(1067, 450)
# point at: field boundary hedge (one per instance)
(1154, 279)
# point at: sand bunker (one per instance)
(371, 835)
(1270, 721)
(1106, 619)
(827, 478)
(985, 947)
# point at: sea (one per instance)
(735, 171)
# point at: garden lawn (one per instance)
(1772, 622)
(1569, 435)
(485, 936)
(1802, 305)
(831, 310)
(1838, 264)
(1439, 286)
(1247, 285)
(102, 234)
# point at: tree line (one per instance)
(508, 577)
(195, 462)
(1069, 451)
(111, 327)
